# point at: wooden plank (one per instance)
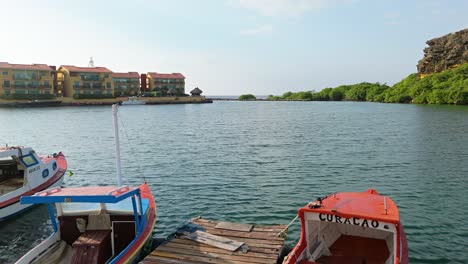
(207, 222)
(218, 255)
(234, 226)
(252, 247)
(253, 243)
(217, 250)
(210, 247)
(188, 257)
(164, 260)
(213, 240)
(257, 235)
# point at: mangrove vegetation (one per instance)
(446, 87)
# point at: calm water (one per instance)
(258, 162)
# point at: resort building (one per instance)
(163, 84)
(26, 79)
(126, 84)
(73, 81)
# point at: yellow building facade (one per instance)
(26, 79)
(126, 83)
(73, 81)
(163, 84)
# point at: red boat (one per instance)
(350, 227)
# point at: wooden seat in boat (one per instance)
(92, 247)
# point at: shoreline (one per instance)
(98, 102)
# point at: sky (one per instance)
(232, 47)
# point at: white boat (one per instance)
(134, 100)
(23, 172)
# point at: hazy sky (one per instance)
(231, 47)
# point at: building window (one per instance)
(106, 75)
(6, 84)
(108, 85)
(46, 84)
(109, 92)
(7, 92)
(77, 92)
(77, 85)
(46, 92)
(5, 73)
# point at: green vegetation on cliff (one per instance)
(447, 87)
(247, 97)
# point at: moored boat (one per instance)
(24, 172)
(133, 100)
(350, 227)
(103, 224)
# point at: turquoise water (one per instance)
(258, 162)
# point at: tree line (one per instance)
(447, 87)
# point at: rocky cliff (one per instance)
(444, 53)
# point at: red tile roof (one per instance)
(155, 75)
(33, 67)
(72, 68)
(126, 75)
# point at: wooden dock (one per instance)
(260, 245)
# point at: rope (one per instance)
(281, 233)
(131, 146)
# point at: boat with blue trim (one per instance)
(24, 172)
(102, 224)
(106, 224)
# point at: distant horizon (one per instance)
(234, 46)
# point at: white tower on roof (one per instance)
(91, 62)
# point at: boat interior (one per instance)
(336, 243)
(11, 175)
(91, 233)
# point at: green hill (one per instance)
(446, 87)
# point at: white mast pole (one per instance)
(117, 145)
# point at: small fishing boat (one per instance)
(133, 100)
(350, 227)
(24, 172)
(103, 224)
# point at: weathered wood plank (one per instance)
(257, 235)
(261, 245)
(218, 255)
(234, 226)
(261, 248)
(255, 243)
(164, 260)
(188, 257)
(208, 248)
(213, 240)
(221, 251)
(267, 228)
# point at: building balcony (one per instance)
(28, 86)
(26, 78)
(92, 79)
(89, 87)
